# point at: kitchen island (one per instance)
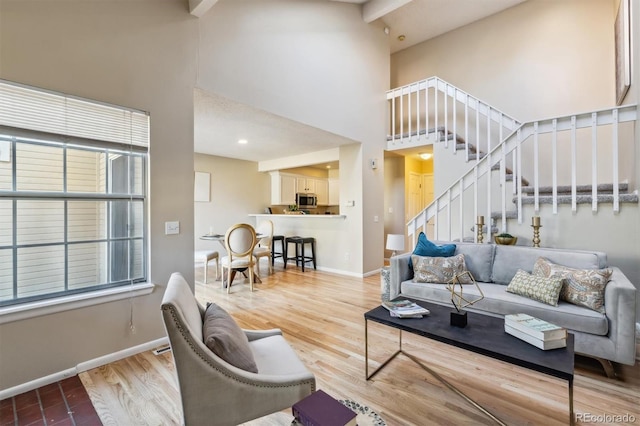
(329, 230)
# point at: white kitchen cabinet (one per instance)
(334, 192)
(322, 191)
(283, 188)
(306, 184)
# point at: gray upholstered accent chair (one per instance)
(214, 392)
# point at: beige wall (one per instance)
(237, 190)
(151, 55)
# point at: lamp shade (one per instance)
(395, 242)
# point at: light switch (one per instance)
(171, 228)
(375, 218)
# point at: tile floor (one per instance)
(64, 403)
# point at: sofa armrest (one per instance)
(399, 272)
(260, 334)
(620, 308)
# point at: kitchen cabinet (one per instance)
(334, 192)
(283, 188)
(306, 185)
(322, 191)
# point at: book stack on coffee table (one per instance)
(539, 333)
(320, 409)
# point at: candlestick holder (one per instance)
(536, 235)
(479, 228)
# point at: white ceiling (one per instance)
(220, 122)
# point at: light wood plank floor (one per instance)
(321, 315)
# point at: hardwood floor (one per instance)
(321, 316)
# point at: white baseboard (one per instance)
(83, 366)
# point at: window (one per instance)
(73, 191)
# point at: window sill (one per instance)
(45, 307)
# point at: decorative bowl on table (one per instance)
(505, 239)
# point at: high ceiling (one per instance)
(220, 122)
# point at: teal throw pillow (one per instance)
(424, 247)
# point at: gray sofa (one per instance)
(607, 337)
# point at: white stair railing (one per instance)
(433, 110)
(545, 142)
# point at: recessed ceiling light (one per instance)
(401, 37)
(328, 166)
(426, 155)
(243, 141)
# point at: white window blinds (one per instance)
(29, 108)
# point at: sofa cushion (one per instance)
(424, 247)
(584, 287)
(226, 339)
(478, 259)
(439, 270)
(274, 356)
(542, 289)
(508, 259)
(497, 301)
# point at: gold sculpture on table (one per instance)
(459, 318)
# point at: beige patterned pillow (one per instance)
(583, 287)
(439, 270)
(542, 289)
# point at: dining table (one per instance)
(220, 238)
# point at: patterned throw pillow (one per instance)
(424, 247)
(542, 289)
(439, 270)
(582, 287)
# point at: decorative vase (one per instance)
(505, 241)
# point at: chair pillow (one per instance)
(439, 270)
(582, 287)
(226, 339)
(424, 247)
(542, 289)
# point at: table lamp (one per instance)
(395, 242)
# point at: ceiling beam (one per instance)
(374, 9)
(200, 7)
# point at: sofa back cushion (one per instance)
(508, 259)
(478, 258)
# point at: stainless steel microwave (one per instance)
(306, 200)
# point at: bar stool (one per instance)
(300, 257)
(275, 253)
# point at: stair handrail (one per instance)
(449, 90)
(514, 141)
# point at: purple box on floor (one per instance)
(320, 409)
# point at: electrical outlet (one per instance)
(347, 256)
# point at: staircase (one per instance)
(568, 161)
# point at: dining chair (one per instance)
(239, 240)
(263, 249)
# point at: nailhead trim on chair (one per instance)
(230, 375)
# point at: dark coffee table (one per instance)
(484, 334)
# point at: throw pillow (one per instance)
(424, 247)
(542, 289)
(439, 270)
(582, 287)
(226, 339)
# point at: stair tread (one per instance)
(580, 199)
(415, 133)
(566, 189)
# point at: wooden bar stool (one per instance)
(300, 256)
(274, 253)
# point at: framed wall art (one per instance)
(201, 187)
(623, 51)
